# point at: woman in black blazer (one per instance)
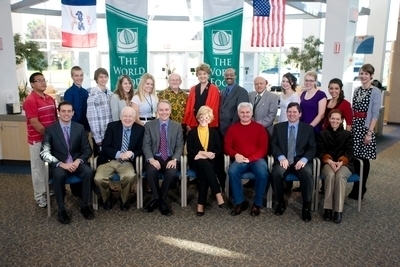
(335, 149)
(204, 146)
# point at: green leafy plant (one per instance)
(309, 58)
(30, 52)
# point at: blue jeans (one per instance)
(260, 170)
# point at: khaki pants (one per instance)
(335, 187)
(37, 171)
(104, 173)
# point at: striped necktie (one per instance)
(125, 141)
(163, 142)
(67, 141)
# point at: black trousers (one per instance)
(205, 172)
(366, 169)
(60, 175)
(152, 175)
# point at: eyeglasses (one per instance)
(229, 75)
(309, 81)
(40, 81)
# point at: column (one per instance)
(340, 29)
(8, 73)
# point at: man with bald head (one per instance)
(231, 97)
(121, 145)
(265, 104)
(175, 96)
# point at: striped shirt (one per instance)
(44, 109)
(98, 112)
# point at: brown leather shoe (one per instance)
(255, 210)
(239, 208)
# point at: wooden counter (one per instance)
(13, 137)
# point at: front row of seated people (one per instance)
(66, 149)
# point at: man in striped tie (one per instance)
(162, 149)
(121, 145)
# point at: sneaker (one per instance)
(42, 202)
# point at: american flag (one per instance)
(268, 23)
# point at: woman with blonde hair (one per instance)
(313, 103)
(145, 101)
(204, 93)
(204, 146)
(122, 96)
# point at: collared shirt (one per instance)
(99, 112)
(62, 125)
(78, 96)
(178, 102)
(128, 133)
(229, 87)
(44, 109)
(296, 128)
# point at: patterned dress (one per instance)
(361, 101)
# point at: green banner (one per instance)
(127, 37)
(222, 37)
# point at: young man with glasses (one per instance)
(40, 111)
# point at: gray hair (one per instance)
(245, 105)
(128, 108)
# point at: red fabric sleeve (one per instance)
(189, 116)
(30, 107)
(228, 143)
(345, 107)
(262, 143)
(212, 101)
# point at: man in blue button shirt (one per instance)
(293, 148)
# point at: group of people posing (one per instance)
(130, 123)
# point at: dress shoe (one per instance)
(87, 213)
(199, 213)
(327, 214)
(164, 208)
(354, 193)
(63, 217)
(125, 206)
(108, 204)
(222, 206)
(255, 210)
(152, 205)
(239, 208)
(337, 217)
(306, 214)
(280, 209)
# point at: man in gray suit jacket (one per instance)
(265, 104)
(231, 97)
(162, 149)
(66, 158)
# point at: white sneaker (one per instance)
(42, 202)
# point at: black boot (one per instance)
(306, 212)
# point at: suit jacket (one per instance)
(266, 109)
(228, 114)
(151, 139)
(305, 141)
(54, 147)
(112, 141)
(194, 146)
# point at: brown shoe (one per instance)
(255, 210)
(239, 208)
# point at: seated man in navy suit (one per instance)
(66, 148)
(121, 145)
(162, 148)
(293, 147)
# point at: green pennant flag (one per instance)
(222, 37)
(127, 37)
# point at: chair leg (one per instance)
(95, 200)
(47, 189)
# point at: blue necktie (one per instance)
(291, 145)
(163, 142)
(125, 144)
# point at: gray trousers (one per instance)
(335, 187)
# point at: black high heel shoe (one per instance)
(200, 213)
(222, 206)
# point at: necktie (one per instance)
(291, 145)
(227, 91)
(163, 142)
(258, 97)
(66, 137)
(125, 141)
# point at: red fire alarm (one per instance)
(336, 48)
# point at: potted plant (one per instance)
(309, 57)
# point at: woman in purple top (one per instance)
(313, 103)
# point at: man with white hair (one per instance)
(121, 145)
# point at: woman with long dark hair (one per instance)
(122, 96)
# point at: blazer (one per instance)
(266, 109)
(151, 139)
(305, 141)
(54, 148)
(194, 146)
(228, 114)
(112, 142)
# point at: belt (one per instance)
(147, 119)
(359, 114)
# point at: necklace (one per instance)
(361, 94)
(150, 104)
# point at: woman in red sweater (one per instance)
(202, 94)
(338, 102)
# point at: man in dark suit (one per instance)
(121, 145)
(66, 148)
(231, 97)
(293, 147)
(162, 148)
(265, 104)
